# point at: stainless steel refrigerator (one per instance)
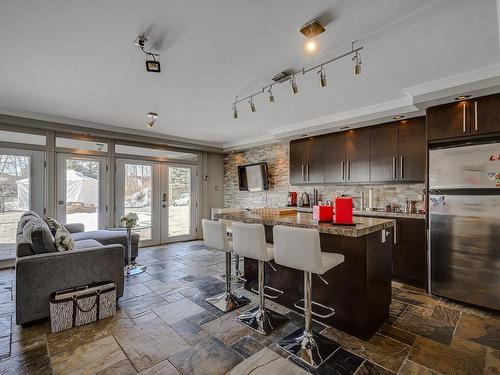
(464, 223)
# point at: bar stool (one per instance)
(300, 248)
(214, 236)
(249, 241)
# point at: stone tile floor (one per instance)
(164, 326)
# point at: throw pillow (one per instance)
(38, 235)
(64, 241)
(52, 223)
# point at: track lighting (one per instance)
(252, 104)
(235, 111)
(295, 89)
(152, 59)
(271, 96)
(151, 116)
(322, 77)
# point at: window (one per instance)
(156, 153)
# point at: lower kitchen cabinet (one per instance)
(409, 255)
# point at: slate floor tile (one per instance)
(267, 362)
(247, 346)
(484, 331)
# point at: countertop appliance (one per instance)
(464, 223)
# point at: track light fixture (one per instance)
(252, 104)
(295, 89)
(291, 76)
(152, 59)
(357, 60)
(151, 116)
(322, 77)
(271, 96)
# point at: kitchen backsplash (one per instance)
(276, 156)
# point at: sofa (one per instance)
(42, 270)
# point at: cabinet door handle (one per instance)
(463, 117)
(393, 167)
(303, 178)
(401, 167)
(475, 116)
(342, 170)
(348, 170)
(307, 171)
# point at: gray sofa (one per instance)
(40, 273)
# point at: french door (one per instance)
(81, 190)
(163, 196)
(22, 186)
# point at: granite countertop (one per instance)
(364, 225)
(403, 215)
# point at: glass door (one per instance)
(81, 195)
(20, 172)
(180, 206)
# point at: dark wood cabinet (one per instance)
(486, 115)
(297, 157)
(384, 152)
(409, 257)
(412, 150)
(306, 161)
(334, 157)
(449, 120)
(358, 155)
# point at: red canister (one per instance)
(343, 210)
(323, 213)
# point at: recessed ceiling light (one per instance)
(304, 135)
(462, 97)
(398, 117)
(311, 46)
(344, 128)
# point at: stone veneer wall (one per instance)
(276, 156)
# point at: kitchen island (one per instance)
(359, 289)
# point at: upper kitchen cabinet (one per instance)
(412, 150)
(449, 120)
(467, 118)
(384, 152)
(358, 155)
(306, 161)
(486, 114)
(334, 157)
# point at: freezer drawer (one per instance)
(465, 248)
(465, 167)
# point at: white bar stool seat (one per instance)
(249, 240)
(215, 238)
(300, 248)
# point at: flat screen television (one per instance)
(253, 177)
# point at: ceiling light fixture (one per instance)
(398, 117)
(322, 77)
(462, 97)
(311, 46)
(357, 60)
(295, 88)
(252, 104)
(291, 75)
(151, 116)
(271, 96)
(235, 109)
(152, 59)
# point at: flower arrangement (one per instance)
(129, 220)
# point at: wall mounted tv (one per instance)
(253, 177)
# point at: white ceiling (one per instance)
(75, 60)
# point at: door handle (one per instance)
(463, 117)
(393, 167)
(60, 202)
(401, 167)
(342, 170)
(164, 197)
(475, 116)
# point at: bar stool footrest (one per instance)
(299, 306)
(278, 292)
(311, 348)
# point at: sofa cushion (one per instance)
(63, 239)
(27, 216)
(107, 237)
(37, 234)
(23, 248)
(86, 244)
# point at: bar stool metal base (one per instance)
(262, 321)
(227, 301)
(311, 348)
